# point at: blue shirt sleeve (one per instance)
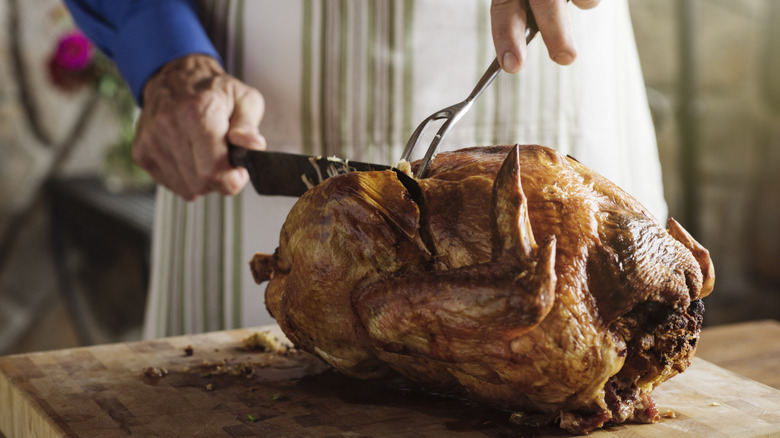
(141, 36)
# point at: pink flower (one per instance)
(74, 52)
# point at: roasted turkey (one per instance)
(512, 275)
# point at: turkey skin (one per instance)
(511, 275)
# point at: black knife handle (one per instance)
(236, 155)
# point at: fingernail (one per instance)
(510, 62)
(563, 58)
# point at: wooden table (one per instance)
(222, 390)
(751, 349)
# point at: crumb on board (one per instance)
(262, 342)
(670, 414)
(155, 372)
(188, 350)
(227, 368)
(209, 387)
(714, 404)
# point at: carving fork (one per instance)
(454, 113)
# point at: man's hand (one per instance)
(508, 23)
(191, 108)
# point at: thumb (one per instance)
(508, 25)
(248, 111)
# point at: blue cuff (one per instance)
(150, 37)
(97, 21)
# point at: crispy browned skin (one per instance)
(514, 275)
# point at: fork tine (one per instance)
(411, 145)
(425, 163)
(452, 114)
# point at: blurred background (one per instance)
(75, 216)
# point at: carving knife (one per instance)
(285, 174)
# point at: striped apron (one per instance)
(353, 78)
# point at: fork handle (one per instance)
(487, 77)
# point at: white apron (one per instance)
(353, 78)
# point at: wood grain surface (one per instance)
(751, 349)
(222, 390)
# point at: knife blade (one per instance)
(285, 174)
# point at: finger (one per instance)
(507, 22)
(554, 24)
(209, 146)
(586, 4)
(248, 111)
(242, 139)
(224, 178)
(245, 120)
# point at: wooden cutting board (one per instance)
(222, 390)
